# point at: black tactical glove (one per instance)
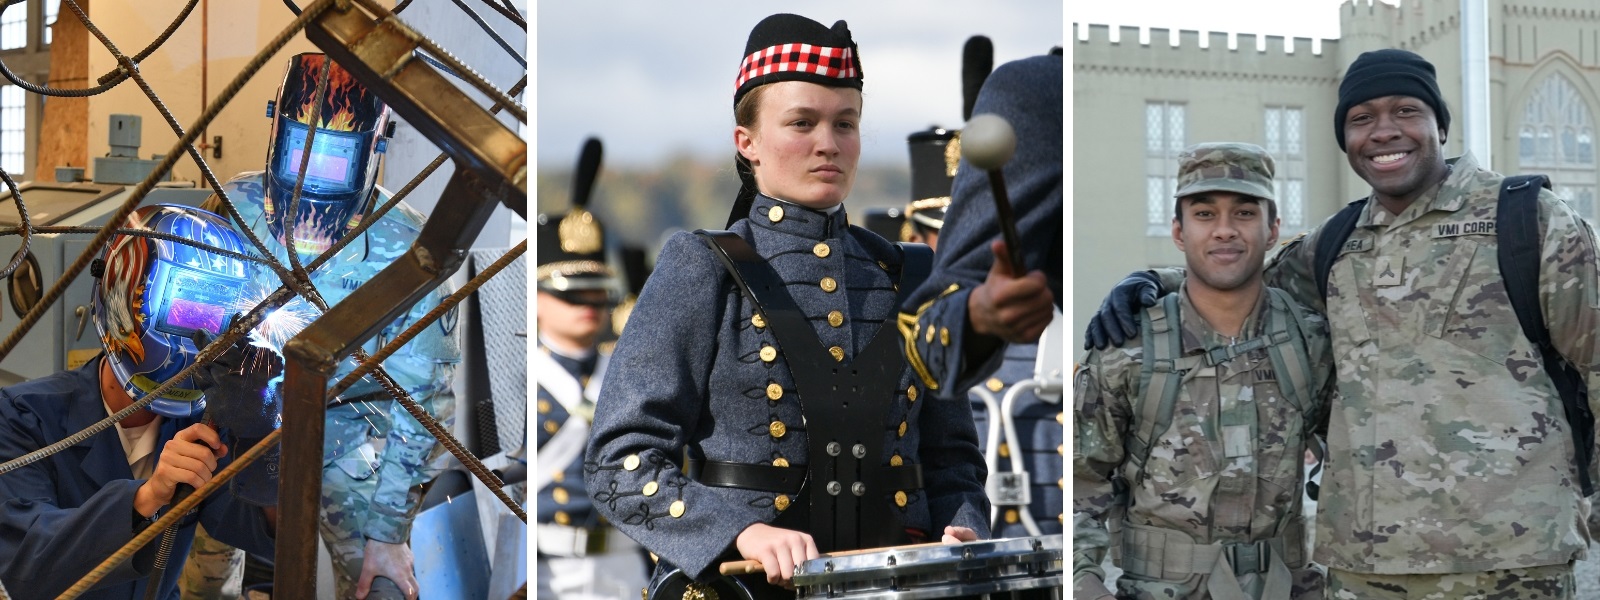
(1118, 318)
(257, 483)
(241, 393)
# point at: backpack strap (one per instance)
(1331, 237)
(1290, 358)
(1517, 229)
(1160, 378)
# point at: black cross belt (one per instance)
(788, 480)
(844, 405)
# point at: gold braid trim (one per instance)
(910, 325)
(568, 268)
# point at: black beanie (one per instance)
(1389, 72)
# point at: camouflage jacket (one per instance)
(1190, 485)
(1448, 448)
(376, 438)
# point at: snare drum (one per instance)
(1016, 569)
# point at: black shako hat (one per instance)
(787, 47)
(1388, 72)
(571, 252)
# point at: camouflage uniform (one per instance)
(1190, 489)
(1449, 451)
(376, 455)
(212, 569)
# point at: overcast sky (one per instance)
(655, 78)
(1316, 19)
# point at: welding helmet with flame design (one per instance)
(343, 164)
(152, 294)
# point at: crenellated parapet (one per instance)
(1205, 55)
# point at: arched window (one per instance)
(1556, 138)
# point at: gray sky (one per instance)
(655, 78)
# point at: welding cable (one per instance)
(25, 230)
(175, 511)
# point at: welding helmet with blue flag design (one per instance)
(342, 169)
(153, 294)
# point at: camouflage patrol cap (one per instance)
(1225, 167)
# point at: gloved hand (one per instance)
(241, 387)
(257, 483)
(1118, 318)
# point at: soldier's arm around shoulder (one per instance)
(1569, 288)
(1293, 269)
(1102, 417)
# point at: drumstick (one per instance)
(743, 567)
(988, 142)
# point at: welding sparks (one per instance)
(279, 325)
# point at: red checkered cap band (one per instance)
(801, 58)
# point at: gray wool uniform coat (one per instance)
(1028, 94)
(695, 372)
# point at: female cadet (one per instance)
(758, 405)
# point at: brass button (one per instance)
(780, 462)
(911, 393)
(838, 353)
(900, 499)
(1061, 483)
(560, 495)
(1005, 451)
(1062, 449)
(1011, 515)
(821, 250)
(835, 318)
(650, 488)
(774, 391)
(944, 336)
(544, 406)
(1061, 418)
(1062, 517)
(994, 384)
(777, 429)
(929, 338)
(631, 462)
(676, 510)
(829, 285)
(558, 477)
(895, 461)
(883, 265)
(775, 214)
(768, 354)
(759, 322)
(562, 518)
(551, 426)
(902, 431)
(781, 502)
